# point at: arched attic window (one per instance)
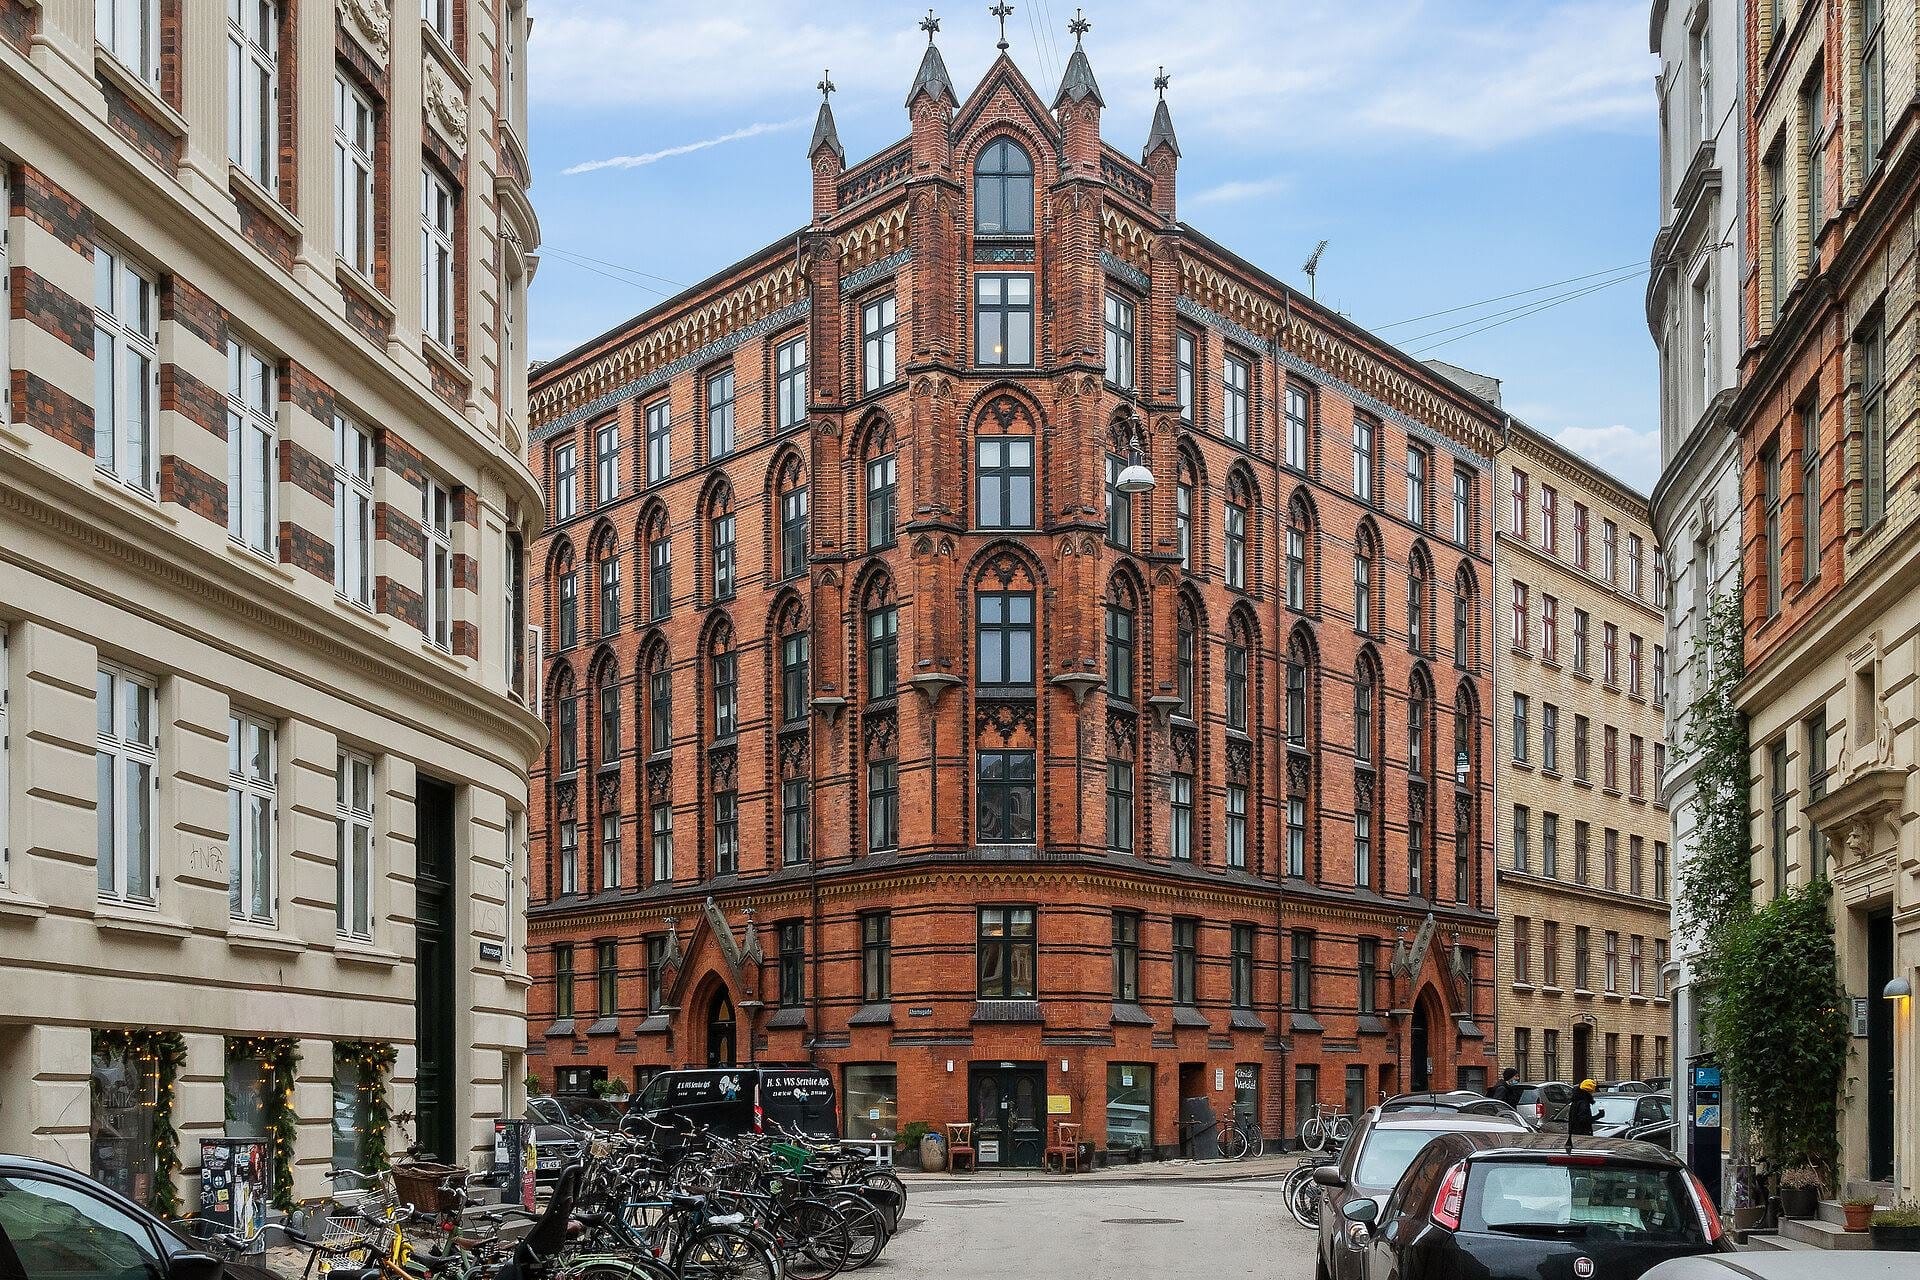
(1003, 190)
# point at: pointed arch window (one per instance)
(1236, 669)
(883, 480)
(1363, 586)
(1183, 662)
(1003, 190)
(1183, 512)
(609, 699)
(722, 527)
(659, 703)
(1299, 530)
(1119, 650)
(796, 661)
(793, 522)
(659, 568)
(1236, 534)
(1463, 610)
(1417, 605)
(1366, 698)
(726, 689)
(883, 648)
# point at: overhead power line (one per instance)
(1508, 311)
(1518, 293)
(1535, 309)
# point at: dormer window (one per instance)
(1003, 191)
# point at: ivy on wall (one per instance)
(1768, 977)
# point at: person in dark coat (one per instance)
(1508, 1090)
(1580, 1114)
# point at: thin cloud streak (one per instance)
(1235, 191)
(686, 148)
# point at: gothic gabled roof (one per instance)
(1162, 132)
(1078, 84)
(825, 135)
(932, 78)
(1003, 71)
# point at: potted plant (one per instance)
(1859, 1210)
(1800, 1188)
(1898, 1228)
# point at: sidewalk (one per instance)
(1266, 1166)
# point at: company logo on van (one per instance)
(730, 1087)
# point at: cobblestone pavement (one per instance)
(1091, 1227)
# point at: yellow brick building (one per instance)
(1582, 836)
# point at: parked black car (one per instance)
(560, 1128)
(55, 1222)
(1499, 1207)
(1456, 1102)
(1384, 1143)
(734, 1100)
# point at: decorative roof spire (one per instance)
(1078, 84)
(1002, 11)
(932, 78)
(1161, 134)
(824, 132)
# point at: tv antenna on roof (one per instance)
(1312, 268)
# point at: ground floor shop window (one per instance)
(350, 1116)
(1129, 1106)
(248, 1083)
(126, 1089)
(871, 1101)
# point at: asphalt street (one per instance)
(1066, 1228)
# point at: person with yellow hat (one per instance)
(1580, 1114)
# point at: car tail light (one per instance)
(1452, 1194)
(1540, 1111)
(1704, 1202)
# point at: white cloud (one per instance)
(1308, 73)
(1633, 456)
(686, 148)
(1236, 191)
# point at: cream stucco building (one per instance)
(262, 504)
(1584, 872)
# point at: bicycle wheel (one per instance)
(725, 1253)
(1313, 1135)
(867, 1228)
(1340, 1130)
(814, 1241)
(1290, 1196)
(887, 1180)
(632, 1267)
(1233, 1142)
(1306, 1203)
(1256, 1145)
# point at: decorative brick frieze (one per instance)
(182, 303)
(132, 121)
(264, 232)
(367, 320)
(390, 524)
(305, 549)
(46, 408)
(302, 388)
(306, 470)
(18, 21)
(35, 196)
(399, 457)
(398, 600)
(203, 405)
(185, 485)
(47, 306)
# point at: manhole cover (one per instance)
(1142, 1222)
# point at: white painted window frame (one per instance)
(252, 886)
(121, 755)
(436, 566)
(353, 462)
(353, 816)
(253, 448)
(355, 123)
(126, 355)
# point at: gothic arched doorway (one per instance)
(721, 1037)
(1421, 1066)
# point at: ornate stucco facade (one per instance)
(262, 500)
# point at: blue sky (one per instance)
(1452, 151)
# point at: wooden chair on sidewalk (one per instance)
(1065, 1146)
(960, 1145)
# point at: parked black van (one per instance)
(734, 1100)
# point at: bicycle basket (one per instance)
(418, 1184)
(793, 1158)
(340, 1231)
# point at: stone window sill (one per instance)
(243, 187)
(244, 935)
(145, 95)
(148, 923)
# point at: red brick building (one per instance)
(889, 735)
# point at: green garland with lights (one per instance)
(167, 1052)
(281, 1055)
(374, 1063)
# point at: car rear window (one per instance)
(1626, 1202)
(1388, 1152)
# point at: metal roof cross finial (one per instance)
(930, 24)
(1160, 83)
(1002, 11)
(826, 85)
(1079, 27)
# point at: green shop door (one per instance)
(1008, 1103)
